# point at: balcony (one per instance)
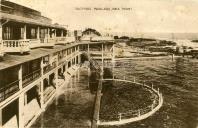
(60, 40)
(49, 67)
(16, 45)
(31, 77)
(41, 43)
(23, 46)
(9, 90)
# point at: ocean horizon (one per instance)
(161, 35)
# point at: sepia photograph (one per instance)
(98, 63)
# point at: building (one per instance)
(34, 55)
(37, 57)
(23, 28)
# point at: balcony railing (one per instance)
(61, 61)
(34, 41)
(49, 67)
(31, 77)
(9, 90)
(25, 45)
(54, 40)
(16, 45)
(60, 40)
(70, 39)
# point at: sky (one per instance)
(144, 15)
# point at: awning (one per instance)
(21, 19)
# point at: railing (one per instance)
(49, 67)
(93, 62)
(60, 39)
(51, 40)
(54, 40)
(31, 77)
(70, 39)
(9, 90)
(16, 45)
(34, 41)
(134, 115)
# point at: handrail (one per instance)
(31, 77)
(11, 83)
(49, 67)
(16, 45)
(31, 73)
(9, 90)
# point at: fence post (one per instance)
(120, 116)
(139, 112)
(159, 98)
(152, 85)
(134, 79)
(124, 77)
(152, 106)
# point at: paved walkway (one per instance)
(72, 108)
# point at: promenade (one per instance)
(72, 107)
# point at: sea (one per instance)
(177, 80)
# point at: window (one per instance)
(7, 33)
(46, 60)
(33, 33)
(22, 33)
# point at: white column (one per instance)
(113, 53)
(21, 110)
(48, 34)
(20, 77)
(41, 87)
(25, 98)
(1, 38)
(25, 32)
(62, 33)
(88, 48)
(38, 33)
(21, 99)
(79, 59)
(78, 48)
(55, 32)
(113, 61)
(56, 77)
(102, 59)
(75, 60)
(1, 118)
(1, 41)
(105, 48)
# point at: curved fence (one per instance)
(134, 115)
